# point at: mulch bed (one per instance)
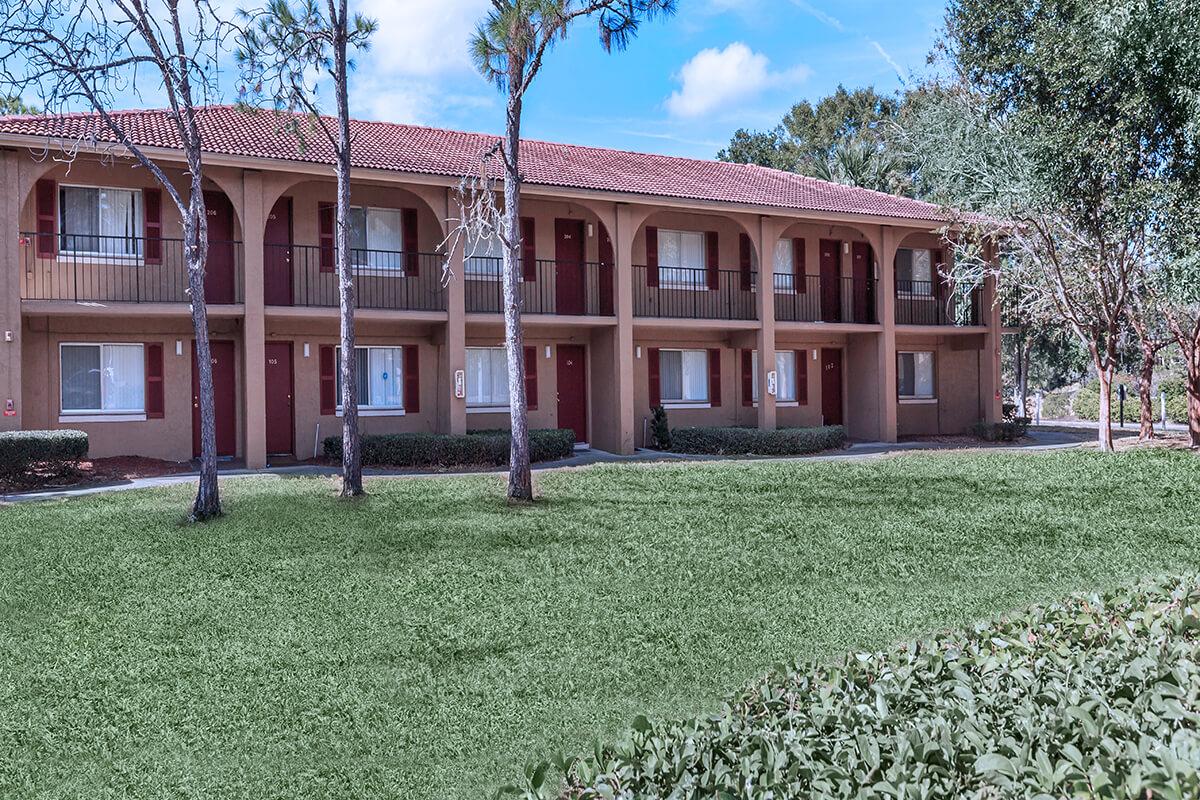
(96, 472)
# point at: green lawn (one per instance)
(428, 641)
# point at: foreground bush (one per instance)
(1008, 430)
(482, 448)
(28, 455)
(1098, 696)
(751, 441)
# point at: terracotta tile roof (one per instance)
(228, 130)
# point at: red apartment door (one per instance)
(277, 255)
(831, 385)
(572, 390)
(568, 266)
(225, 395)
(218, 271)
(831, 280)
(281, 416)
(861, 269)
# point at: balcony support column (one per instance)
(11, 275)
(254, 338)
(767, 234)
(886, 346)
(989, 363)
(617, 436)
(452, 410)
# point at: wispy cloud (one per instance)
(819, 15)
(891, 61)
(723, 80)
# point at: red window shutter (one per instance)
(652, 258)
(412, 379)
(714, 377)
(152, 227)
(47, 218)
(155, 398)
(325, 236)
(655, 384)
(408, 230)
(747, 377)
(607, 261)
(531, 387)
(745, 260)
(799, 269)
(328, 380)
(528, 249)
(712, 259)
(802, 377)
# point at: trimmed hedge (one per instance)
(51, 452)
(480, 448)
(1009, 430)
(1097, 696)
(752, 441)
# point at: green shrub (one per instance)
(1177, 401)
(48, 453)
(1086, 404)
(1096, 696)
(660, 429)
(1008, 430)
(1056, 405)
(752, 441)
(479, 448)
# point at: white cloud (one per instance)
(724, 79)
(423, 37)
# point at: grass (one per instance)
(428, 641)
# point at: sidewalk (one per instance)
(1036, 441)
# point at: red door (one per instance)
(225, 395)
(218, 270)
(568, 266)
(831, 280)
(277, 254)
(281, 419)
(572, 390)
(831, 385)
(861, 270)
(607, 260)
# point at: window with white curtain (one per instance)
(376, 238)
(914, 271)
(96, 220)
(681, 261)
(683, 376)
(484, 258)
(102, 378)
(914, 374)
(379, 375)
(785, 271)
(785, 375)
(487, 377)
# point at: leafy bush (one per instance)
(1056, 405)
(1177, 401)
(660, 430)
(25, 455)
(1086, 404)
(1008, 430)
(752, 441)
(1096, 696)
(483, 448)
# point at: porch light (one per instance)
(306, 349)
(547, 351)
(179, 347)
(591, 233)
(845, 247)
(638, 350)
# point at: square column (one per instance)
(620, 438)
(255, 331)
(768, 234)
(452, 411)
(10, 293)
(886, 346)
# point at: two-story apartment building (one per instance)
(646, 279)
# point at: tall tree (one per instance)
(86, 53)
(508, 48)
(280, 49)
(13, 104)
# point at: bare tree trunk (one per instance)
(1105, 420)
(520, 479)
(195, 234)
(1145, 392)
(352, 483)
(1193, 386)
(1023, 375)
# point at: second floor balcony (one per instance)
(935, 303)
(687, 293)
(390, 280)
(548, 286)
(813, 298)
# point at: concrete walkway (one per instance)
(1036, 441)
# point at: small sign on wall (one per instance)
(10, 408)
(460, 383)
(772, 382)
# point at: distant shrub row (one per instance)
(1085, 402)
(1008, 430)
(26, 455)
(481, 448)
(752, 441)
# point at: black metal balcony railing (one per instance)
(686, 294)
(126, 269)
(383, 279)
(813, 299)
(934, 303)
(571, 288)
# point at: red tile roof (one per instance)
(229, 130)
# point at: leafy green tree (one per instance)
(13, 104)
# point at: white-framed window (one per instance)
(487, 378)
(785, 374)
(683, 377)
(100, 221)
(484, 259)
(915, 272)
(914, 374)
(681, 261)
(785, 266)
(376, 238)
(102, 379)
(379, 375)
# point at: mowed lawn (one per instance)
(428, 641)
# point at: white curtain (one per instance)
(695, 375)
(385, 366)
(79, 377)
(123, 377)
(384, 238)
(670, 375)
(119, 220)
(924, 374)
(680, 252)
(487, 376)
(785, 367)
(484, 257)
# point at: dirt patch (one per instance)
(98, 471)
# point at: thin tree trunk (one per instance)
(1023, 376)
(352, 483)
(520, 479)
(1105, 420)
(1194, 406)
(195, 233)
(1145, 393)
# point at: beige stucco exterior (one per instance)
(43, 304)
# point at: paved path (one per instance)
(1037, 441)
